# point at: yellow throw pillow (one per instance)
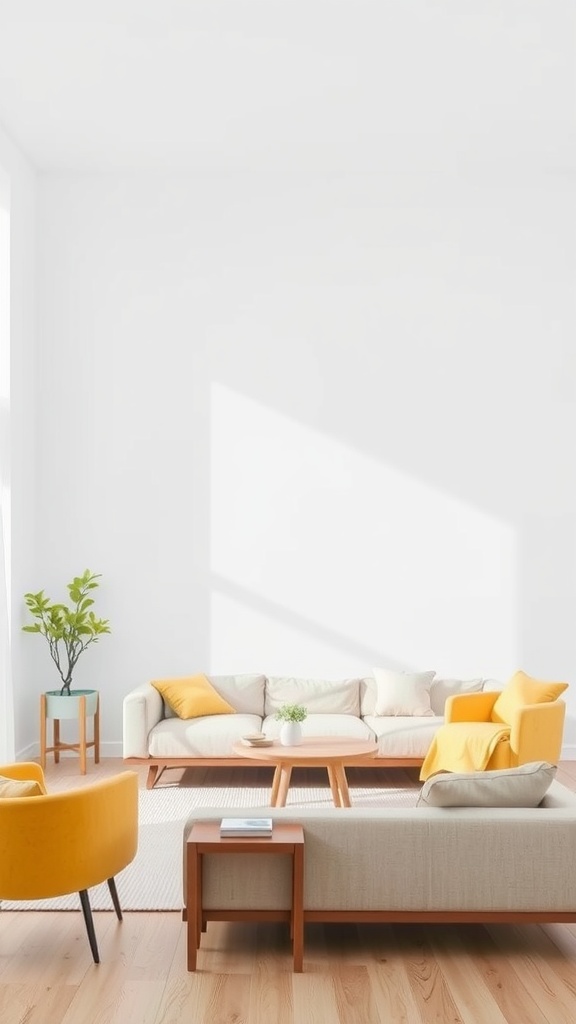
(19, 787)
(192, 697)
(522, 689)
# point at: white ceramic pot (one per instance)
(291, 734)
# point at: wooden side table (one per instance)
(204, 838)
(83, 743)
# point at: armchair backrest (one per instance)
(65, 842)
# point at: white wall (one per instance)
(310, 426)
(309, 406)
(18, 199)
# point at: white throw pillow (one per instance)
(403, 693)
(524, 786)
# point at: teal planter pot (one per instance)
(59, 706)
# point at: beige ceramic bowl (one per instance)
(258, 739)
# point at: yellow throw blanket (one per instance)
(463, 747)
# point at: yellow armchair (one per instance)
(55, 844)
(477, 710)
(492, 730)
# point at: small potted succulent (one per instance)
(291, 715)
(68, 631)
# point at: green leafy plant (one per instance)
(68, 630)
(291, 713)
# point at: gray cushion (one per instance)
(524, 786)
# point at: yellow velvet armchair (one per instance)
(55, 844)
(491, 730)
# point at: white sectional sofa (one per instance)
(153, 735)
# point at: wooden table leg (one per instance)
(199, 915)
(82, 727)
(332, 778)
(43, 730)
(97, 732)
(193, 904)
(298, 907)
(275, 786)
(56, 741)
(285, 773)
(342, 785)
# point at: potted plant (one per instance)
(291, 715)
(68, 630)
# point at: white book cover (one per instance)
(246, 824)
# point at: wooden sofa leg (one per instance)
(154, 774)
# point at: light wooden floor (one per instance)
(353, 974)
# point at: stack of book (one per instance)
(245, 827)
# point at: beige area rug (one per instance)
(153, 881)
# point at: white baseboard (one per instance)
(114, 749)
(29, 753)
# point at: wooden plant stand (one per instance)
(83, 743)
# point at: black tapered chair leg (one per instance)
(89, 922)
(114, 895)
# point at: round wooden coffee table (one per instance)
(331, 752)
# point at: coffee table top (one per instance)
(312, 751)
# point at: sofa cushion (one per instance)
(192, 697)
(10, 788)
(521, 690)
(524, 786)
(400, 737)
(403, 693)
(244, 692)
(210, 736)
(319, 696)
(324, 725)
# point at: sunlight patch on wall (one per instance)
(354, 547)
(245, 639)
